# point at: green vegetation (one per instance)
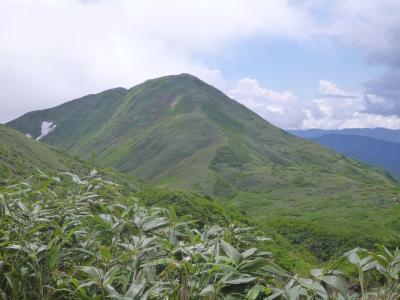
(67, 237)
(22, 157)
(179, 132)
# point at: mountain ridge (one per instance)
(384, 134)
(21, 157)
(180, 132)
(25, 160)
(376, 152)
(378, 147)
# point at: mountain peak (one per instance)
(184, 78)
(181, 76)
(177, 131)
(177, 94)
(166, 126)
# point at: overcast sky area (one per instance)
(299, 64)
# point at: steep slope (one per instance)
(372, 151)
(21, 157)
(388, 135)
(180, 132)
(71, 122)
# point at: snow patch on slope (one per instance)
(46, 128)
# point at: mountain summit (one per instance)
(176, 130)
(179, 131)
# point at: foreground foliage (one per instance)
(70, 238)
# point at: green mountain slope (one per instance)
(22, 159)
(178, 131)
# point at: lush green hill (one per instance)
(65, 237)
(178, 131)
(22, 159)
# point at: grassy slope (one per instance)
(178, 131)
(21, 157)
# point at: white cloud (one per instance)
(364, 120)
(374, 28)
(333, 108)
(280, 108)
(371, 25)
(52, 51)
(329, 88)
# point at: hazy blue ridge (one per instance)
(384, 134)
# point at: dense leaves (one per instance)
(67, 237)
(74, 240)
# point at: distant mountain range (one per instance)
(383, 134)
(376, 146)
(177, 131)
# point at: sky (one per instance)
(299, 64)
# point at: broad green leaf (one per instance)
(94, 274)
(296, 292)
(243, 280)
(253, 293)
(208, 291)
(231, 252)
(17, 248)
(86, 284)
(136, 288)
(276, 270)
(154, 223)
(53, 257)
(253, 265)
(335, 282)
(277, 293)
(249, 252)
(110, 275)
(105, 253)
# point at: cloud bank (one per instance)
(332, 108)
(52, 51)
